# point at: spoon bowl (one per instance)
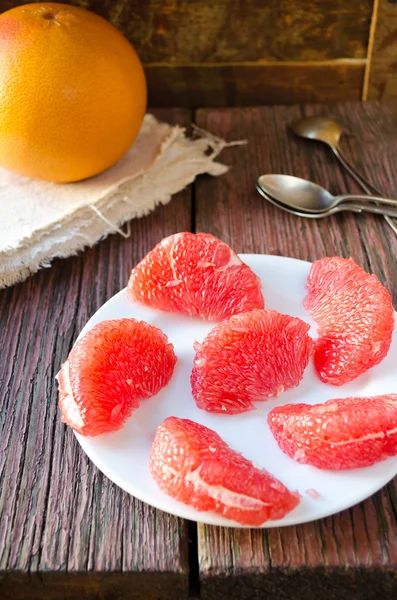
(296, 193)
(321, 129)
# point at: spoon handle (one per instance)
(376, 210)
(365, 185)
(365, 198)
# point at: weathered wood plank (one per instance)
(232, 31)
(65, 530)
(353, 554)
(252, 84)
(191, 31)
(382, 82)
(232, 53)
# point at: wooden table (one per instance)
(66, 531)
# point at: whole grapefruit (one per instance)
(72, 92)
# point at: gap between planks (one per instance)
(370, 49)
(262, 63)
(193, 560)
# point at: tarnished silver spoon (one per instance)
(306, 196)
(328, 131)
(356, 208)
(321, 215)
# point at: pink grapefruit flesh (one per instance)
(194, 465)
(197, 275)
(345, 433)
(354, 316)
(249, 358)
(109, 371)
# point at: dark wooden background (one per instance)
(255, 52)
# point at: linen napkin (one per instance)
(40, 220)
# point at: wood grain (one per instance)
(232, 53)
(350, 556)
(382, 83)
(66, 531)
(252, 84)
(192, 31)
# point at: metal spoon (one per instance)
(300, 194)
(323, 129)
(350, 206)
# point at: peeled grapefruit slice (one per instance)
(251, 357)
(109, 371)
(340, 434)
(354, 315)
(195, 274)
(194, 465)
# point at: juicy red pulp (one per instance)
(345, 433)
(194, 465)
(109, 371)
(355, 319)
(249, 358)
(195, 274)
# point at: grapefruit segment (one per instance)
(194, 465)
(354, 315)
(249, 358)
(345, 433)
(109, 371)
(195, 274)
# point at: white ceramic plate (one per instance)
(123, 456)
